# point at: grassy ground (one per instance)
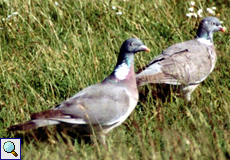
(49, 52)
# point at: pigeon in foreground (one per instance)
(185, 64)
(101, 107)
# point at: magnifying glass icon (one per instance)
(9, 147)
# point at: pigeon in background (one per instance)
(186, 64)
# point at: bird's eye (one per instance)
(132, 44)
(212, 23)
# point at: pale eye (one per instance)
(132, 44)
(212, 23)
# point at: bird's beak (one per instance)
(222, 29)
(142, 48)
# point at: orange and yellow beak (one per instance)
(222, 29)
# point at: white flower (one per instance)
(9, 16)
(113, 7)
(210, 11)
(187, 141)
(214, 8)
(199, 12)
(15, 13)
(221, 22)
(56, 3)
(191, 14)
(192, 3)
(191, 9)
(119, 13)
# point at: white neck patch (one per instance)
(122, 71)
(205, 41)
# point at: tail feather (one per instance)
(47, 114)
(148, 76)
(152, 73)
(32, 124)
(145, 78)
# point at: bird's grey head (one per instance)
(133, 45)
(208, 26)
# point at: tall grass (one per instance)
(49, 52)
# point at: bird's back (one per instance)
(183, 63)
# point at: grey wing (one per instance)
(183, 63)
(97, 104)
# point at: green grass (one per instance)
(48, 53)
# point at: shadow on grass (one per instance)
(162, 92)
(51, 133)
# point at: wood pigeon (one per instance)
(185, 64)
(101, 107)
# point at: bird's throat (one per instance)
(205, 41)
(123, 67)
(204, 36)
